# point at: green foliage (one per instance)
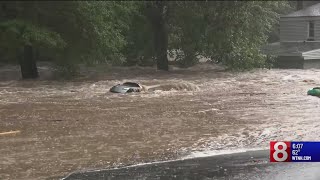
(230, 32)
(257, 19)
(139, 49)
(106, 22)
(120, 32)
(17, 33)
(14, 34)
(68, 32)
(187, 31)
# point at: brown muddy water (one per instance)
(68, 126)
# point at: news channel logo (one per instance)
(294, 151)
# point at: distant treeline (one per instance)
(136, 33)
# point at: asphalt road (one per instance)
(252, 165)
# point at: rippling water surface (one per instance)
(75, 125)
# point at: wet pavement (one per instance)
(252, 165)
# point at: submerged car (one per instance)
(126, 87)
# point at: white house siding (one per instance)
(293, 30)
(317, 30)
(294, 49)
(296, 29)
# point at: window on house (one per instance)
(311, 31)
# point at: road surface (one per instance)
(252, 165)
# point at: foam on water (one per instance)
(209, 153)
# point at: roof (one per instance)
(310, 11)
(313, 54)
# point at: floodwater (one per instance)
(66, 126)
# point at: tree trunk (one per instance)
(160, 30)
(28, 64)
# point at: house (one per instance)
(299, 45)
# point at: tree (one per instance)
(68, 32)
(158, 11)
(139, 49)
(19, 37)
(187, 26)
(73, 32)
(229, 32)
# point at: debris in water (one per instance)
(308, 80)
(9, 132)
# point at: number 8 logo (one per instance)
(280, 151)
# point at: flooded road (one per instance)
(75, 125)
